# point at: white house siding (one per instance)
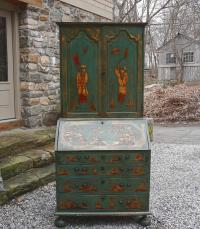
(102, 8)
(191, 73)
(165, 74)
(168, 71)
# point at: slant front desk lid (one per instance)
(102, 134)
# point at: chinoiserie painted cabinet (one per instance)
(102, 143)
(102, 70)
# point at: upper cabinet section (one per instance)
(102, 70)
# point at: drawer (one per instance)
(87, 203)
(102, 185)
(102, 157)
(102, 170)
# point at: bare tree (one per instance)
(137, 11)
(165, 18)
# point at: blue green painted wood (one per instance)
(108, 157)
(103, 185)
(102, 151)
(102, 134)
(102, 203)
(102, 70)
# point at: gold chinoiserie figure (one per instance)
(122, 78)
(82, 80)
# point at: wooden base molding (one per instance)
(10, 124)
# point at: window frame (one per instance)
(188, 57)
(169, 59)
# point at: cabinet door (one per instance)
(102, 70)
(80, 81)
(123, 68)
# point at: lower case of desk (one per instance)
(97, 205)
(102, 203)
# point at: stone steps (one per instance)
(20, 140)
(27, 181)
(33, 158)
(26, 161)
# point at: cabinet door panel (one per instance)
(80, 73)
(124, 76)
(102, 70)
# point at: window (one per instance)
(170, 58)
(3, 48)
(188, 57)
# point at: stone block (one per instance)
(35, 77)
(34, 121)
(39, 39)
(31, 21)
(3, 197)
(56, 16)
(12, 166)
(46, 77)
(32, 66)
(31, 101)
(44, 101)
(45, 11)
(41, 51)
(23, 42)
(1, 183)
(50, 118)
(54, 71)
(50, 3)
(41, 87)
(39, 44)
(43, 69)
(32, 94)
(31, 58)
(53, 97)
(39, 157)
(66, 9)
(27, 86)
(50, 52)
(44, 27)
(67, 18)
(21, 184)
(44, 60)
(44, 18)
(33, 110)
(54, 85)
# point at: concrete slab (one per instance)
(177, 135)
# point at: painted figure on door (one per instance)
(82, 80)
(122, 78)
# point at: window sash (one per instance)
(188, 57)
(170, 58)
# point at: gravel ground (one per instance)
(175, 197)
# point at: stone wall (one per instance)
(39, 59)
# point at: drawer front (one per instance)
(103, 157)
(103, 185)
(86, 203)
(103, 170)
